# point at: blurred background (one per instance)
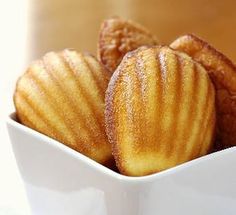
(29, 28)
(75, 23)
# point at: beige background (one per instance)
(75, 23)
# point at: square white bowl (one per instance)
(61, 181)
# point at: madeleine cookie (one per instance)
(62, 96)
(160, 111)
(117, 37)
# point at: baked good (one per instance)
(117, 37)
(62, 96)
(159, 111)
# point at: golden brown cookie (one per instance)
(223, 74)
(62, 96)
(160, 111)
(117, 37)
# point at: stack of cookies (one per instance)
(140, 105)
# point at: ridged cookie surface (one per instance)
(117, 37)
(62, 96)
(160, 111)
(223, 74)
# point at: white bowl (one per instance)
(61, 181)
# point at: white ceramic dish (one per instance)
(61, 181)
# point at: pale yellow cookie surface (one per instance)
(160, 111)
(62, 96)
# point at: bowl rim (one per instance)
(11, 121)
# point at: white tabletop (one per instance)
(13, 22)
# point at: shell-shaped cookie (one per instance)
(223, 75)
(160, 111)
(62, 96)
(117, 37)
